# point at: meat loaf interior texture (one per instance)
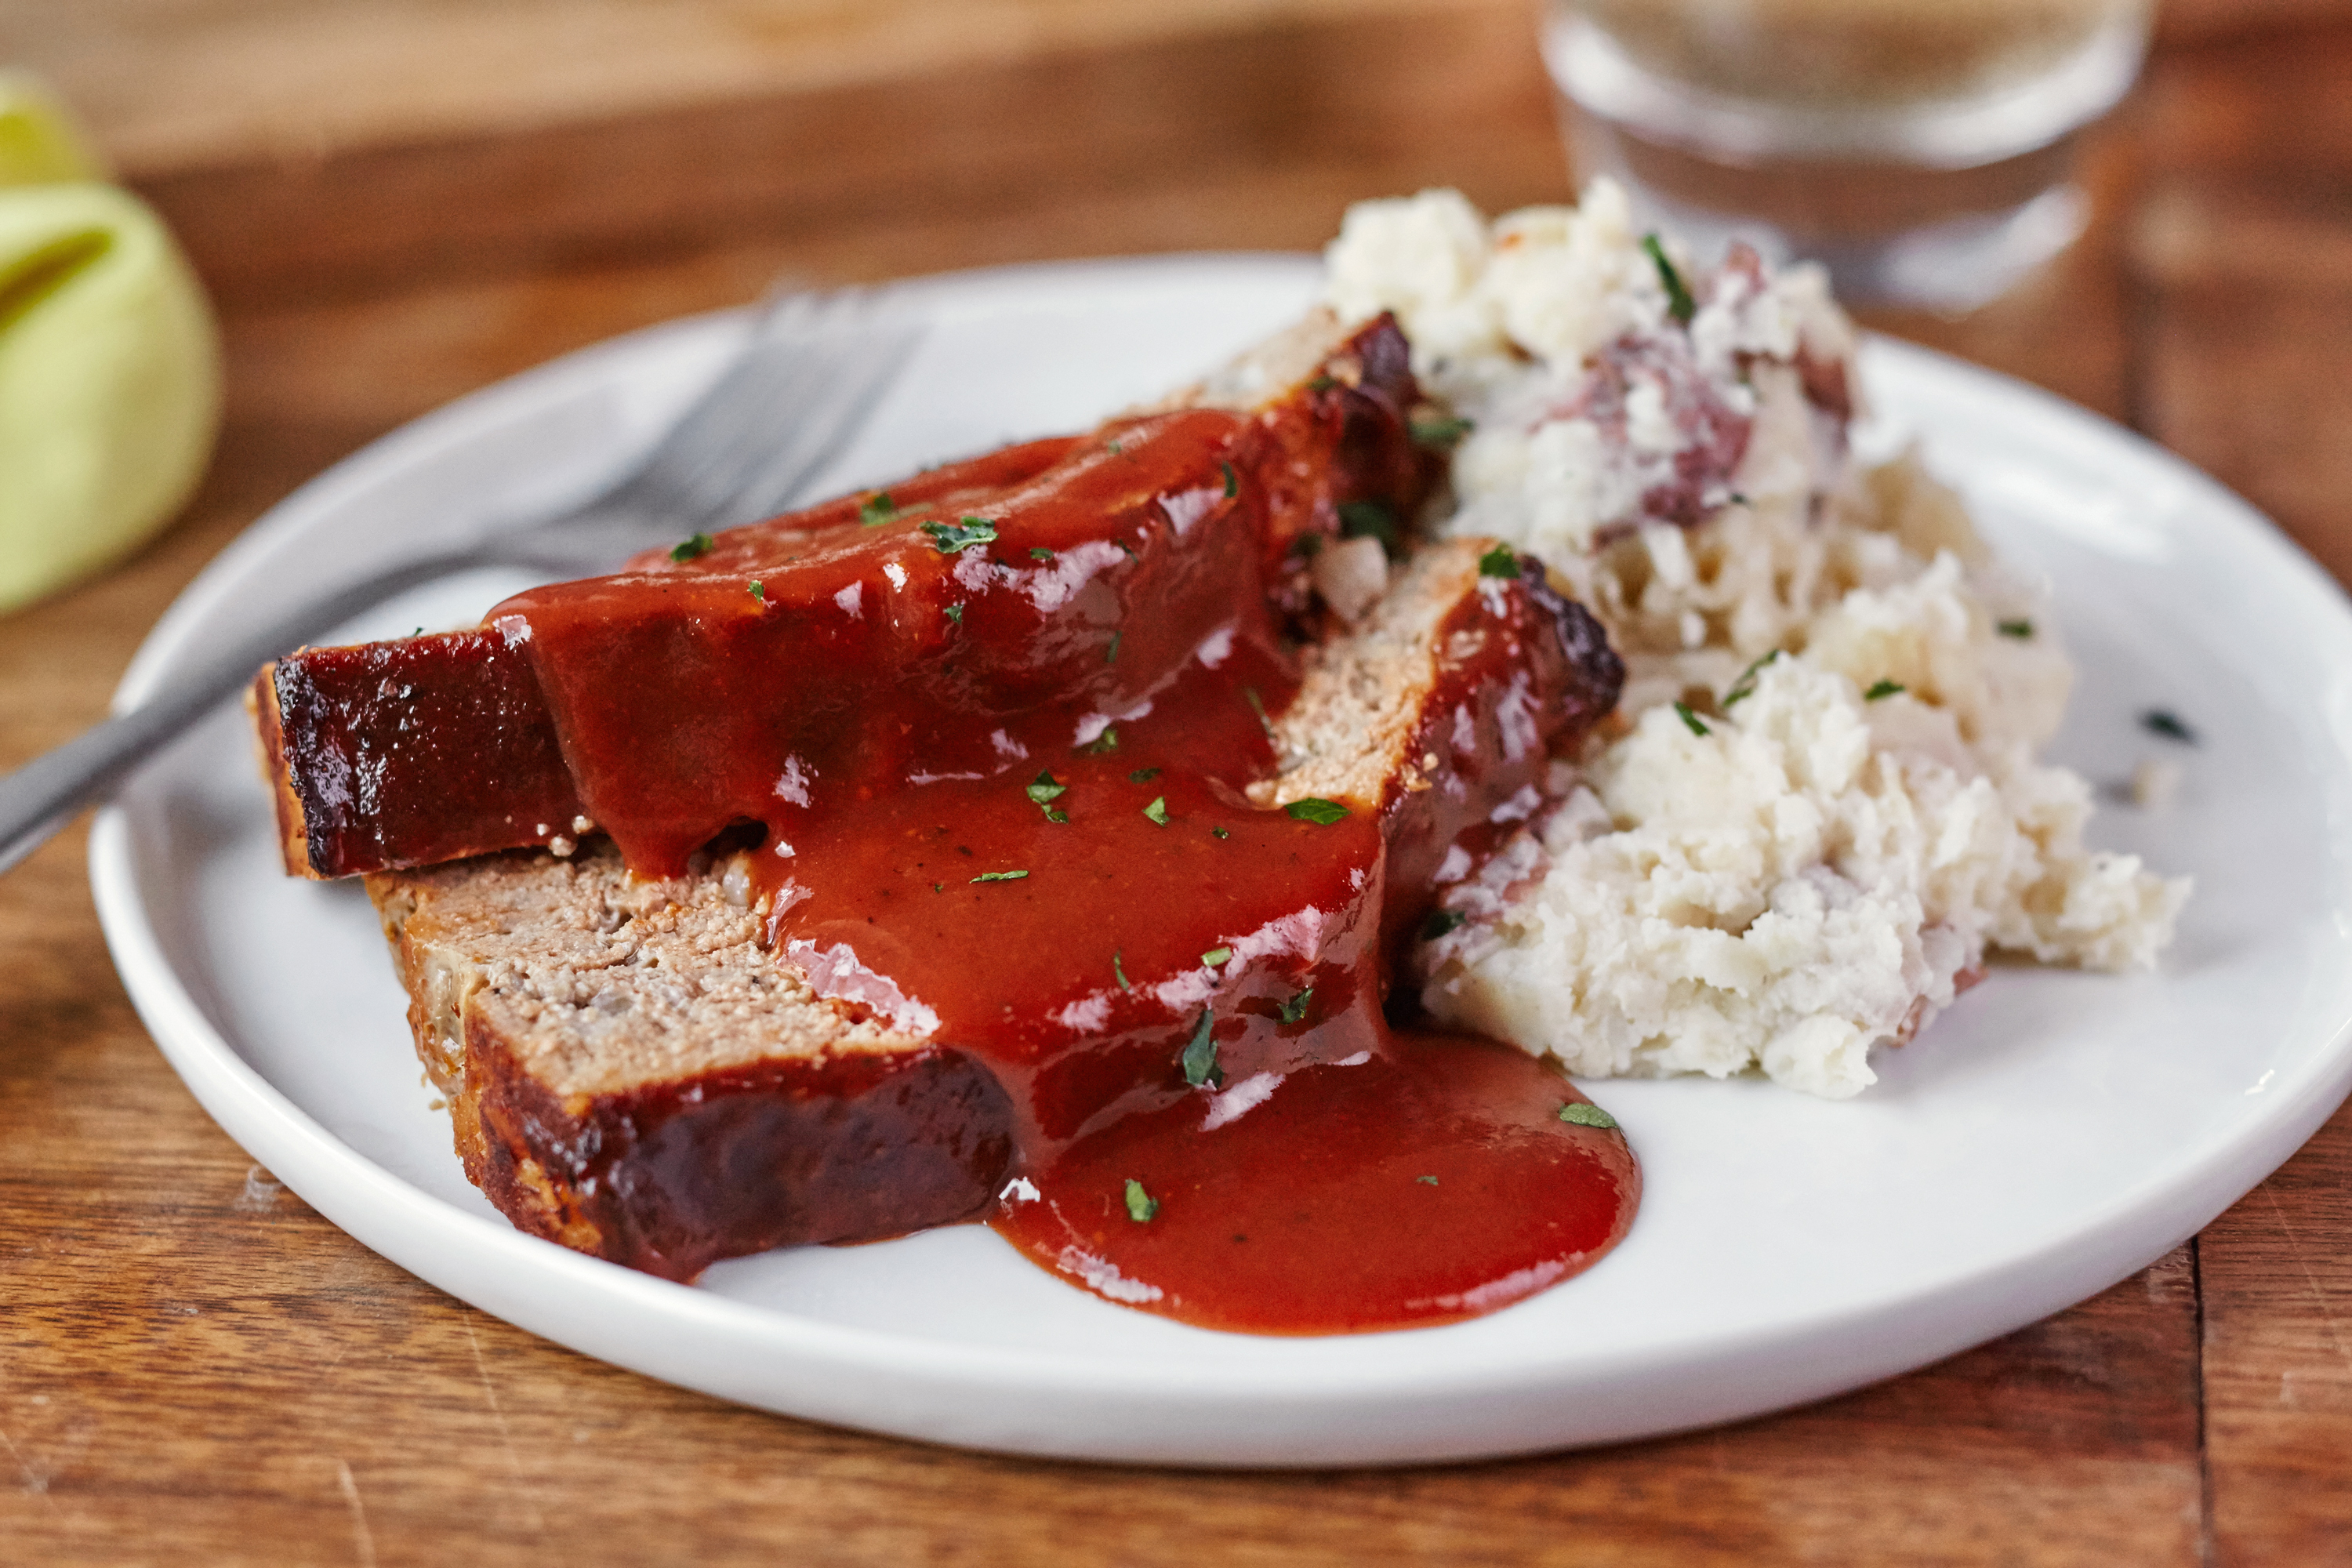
(632, 1074)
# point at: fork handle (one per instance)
(43, 795)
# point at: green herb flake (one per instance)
(1110, 654)
(1679, 303)
(1316, 809)
(1500, 562)
(1219, 833)
(1440, 921)
(1039, 553)
(1104, 744)
(2019, 629)
(999, 876)
(1881, 690)
(2156, 722)
(877, 509)
(1322, 383)
(1118, 972)
(759, 592)
(1441, 432)
(1217, 956)
(1045, 791)
(1371, 520)
(1116, 449)
(1584, 1113)
(1141, 1205)
(1233, 484)
(1426, 1180)
(1143, 775)
(1201, 1055)
(948, 538)
(1745, 687)
(698, 546)
(1690, 720)
(1257, 706)
(955, 613)
(1295, 1008)
(1158, 810)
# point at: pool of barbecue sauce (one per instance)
(1183, 991)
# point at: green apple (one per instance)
(110, 382)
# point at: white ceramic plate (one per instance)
(2051, 1134)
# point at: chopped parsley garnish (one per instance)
(1884, 689)
(698, 546)
(1745, 687)
(1690, 720)
(1584, 1113)
(1371, 520)
(1219, 833)
(1679, 303)
(1158, 810)
(1045, 791)
(1118, 972)
(1216, 956)
(999, 876)
(1143, 775)
(2156, 722)
(1039, 553)
(1116, 449)
(1322, 383)
(2014, 628)
(1439, 922)
(877, 509)
(948, 538)
(1110, 654)
(1104, 744)
(1441, 432)
(759, 592)
(1500, 561)
(955, 613)
(1317, 810)
(1232, 484)
(1295, 1008)
(1426, 1180)
(1257, 706)
(1201, 1055)
(1141, 1205)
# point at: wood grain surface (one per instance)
(399, 202)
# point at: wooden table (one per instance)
(399, 202)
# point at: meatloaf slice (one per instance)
(663, 701)
(633, 1074)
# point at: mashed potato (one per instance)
(1821, 808)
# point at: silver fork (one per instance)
(810, 372)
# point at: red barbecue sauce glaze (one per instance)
(1005, 807)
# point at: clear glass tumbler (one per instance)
(1924, 149)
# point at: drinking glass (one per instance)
(1923, 149)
